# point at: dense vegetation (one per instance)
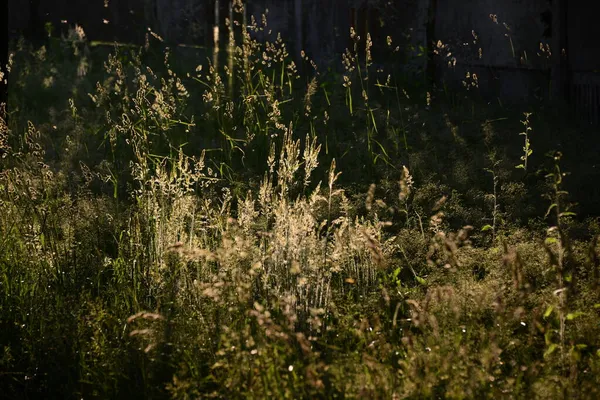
(257, 228)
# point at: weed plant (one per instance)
(254, 228)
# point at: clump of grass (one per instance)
(174, 235)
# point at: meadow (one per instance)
(243, 225)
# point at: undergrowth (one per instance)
(254, 228)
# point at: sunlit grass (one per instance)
(253, 228)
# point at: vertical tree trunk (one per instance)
(431, 73)
(559, 51)
(313, 38)
(4, 59)
(150, 17)
(35, 29)
(164, 18)
(231, 50)
(298, 24)
(216, 34)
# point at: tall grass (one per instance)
(215, 232)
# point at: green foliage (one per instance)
(527, 151)
(181, 231)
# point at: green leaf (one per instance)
(520, 166)
(550, 350)
(420, 280)
(550, 240)
(572, 316)
(548, 311)
(486, 228)
(552, 206)
(548, 337)
(567, 214)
